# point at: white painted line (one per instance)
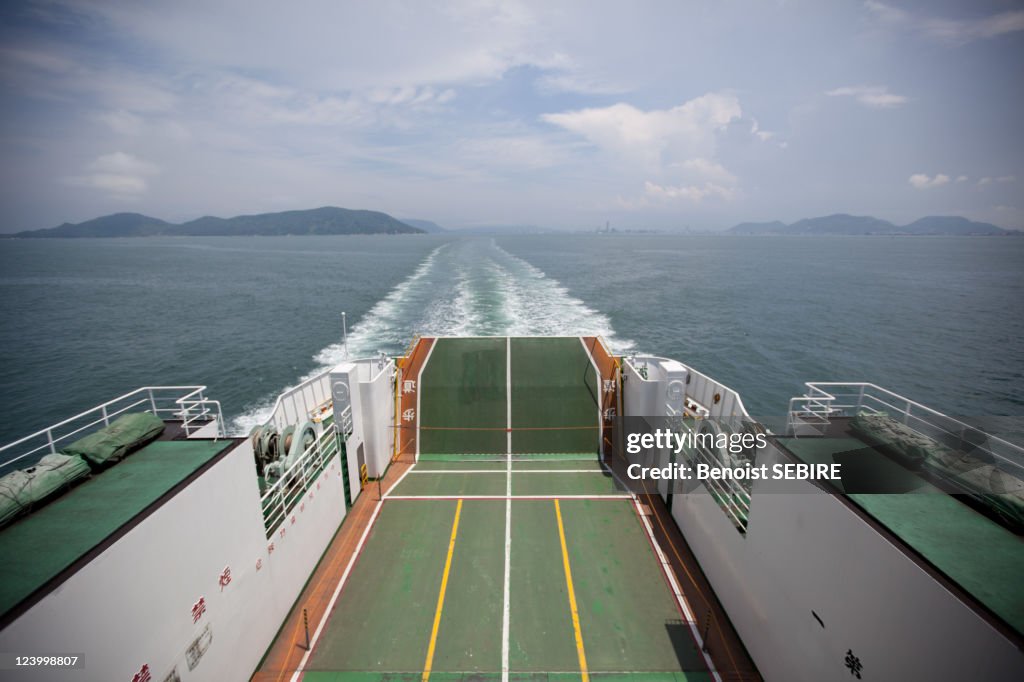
(600, 395)
(508, 397)
(506, 497)
(518, 471)
(522, 458)
(508, 513)
(400, 478)
(419, 392)
(684, 605)
(334, 597)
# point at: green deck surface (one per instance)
(629, 621)
(554, 483)
(592, 464)
(554, 385)
(38, 547)
(975, 552)
(463, 387)
(628, 617)
(478, 465)
(449, 484)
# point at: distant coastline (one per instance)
(328, 220)
(331, 220)
(845, 224)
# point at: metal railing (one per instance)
(344, 422)
(825, 400)
(306, 401)
(733, 495)
(282, 497)
(185, 403)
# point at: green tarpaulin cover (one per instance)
(19, 490)
(999, 490)
(125, 434)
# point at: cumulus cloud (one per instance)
(873, 96)
(1000, 179)
(685, 131)
(691, 193)
(706, 169)
(953, 31)
(923, 181)
(119, 174)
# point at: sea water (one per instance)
(940, 320)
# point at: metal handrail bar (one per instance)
(942, 422)
(281, 504)
(275, 501)
(51, 443)
(733, 502)
(187, 404)
(346, 421)
(278, 404)
(738, 399)
(103, 414)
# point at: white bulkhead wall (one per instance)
(810, 583)
(343, 378)
(368, 388)
(132, 606)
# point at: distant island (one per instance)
(331, 220)
(328, 220)
(425, 225)
(844, 224)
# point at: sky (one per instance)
(649, 115)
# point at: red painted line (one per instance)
(689, 620)
(337, 592)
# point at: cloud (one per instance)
(1001, 179)
(952, 31)
(763, 135)
(874, 96)
(119, 174)
(123, 122)
(572, 80)
(705, 169)
(652, 137)
(922, 181)
(512, 152)
(692, 193)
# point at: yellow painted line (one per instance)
(572, 597)
(440, 597)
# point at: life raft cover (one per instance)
(19, 490)
(125, 434)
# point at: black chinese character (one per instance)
(853, 663)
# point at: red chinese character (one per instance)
(259, 564)
(293, 519)
(282, 531)
(225, 578)
(270, 548)
(318, 485)
(198, 609)
(143, 674)
(302, 508)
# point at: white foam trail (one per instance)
(538, 305)
(375, 332)
(461, 288)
